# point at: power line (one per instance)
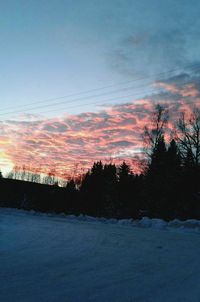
(96, 103)
(81, 105)
(73, 100)
(193, 66)
(112, 99)
(85, 104)
(100, 102)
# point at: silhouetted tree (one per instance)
(155, 131)
(188, 135)
(110, 202)
(173, 156)
(125, 190)
(71, 186)
(156, 179)
(92, 190)
(188, 139)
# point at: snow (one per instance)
(50, 258)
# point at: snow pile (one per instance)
(190, 225)
(153, 223)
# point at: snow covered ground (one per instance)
(53, 258)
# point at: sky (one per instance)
(79, 79)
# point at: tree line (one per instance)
(167, 188)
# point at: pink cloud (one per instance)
(71, 144)
(186, 90)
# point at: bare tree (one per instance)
(155, 131)
(188, 135)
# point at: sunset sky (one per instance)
(79, 79)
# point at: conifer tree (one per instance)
(173, 156)
(156, 179)
(158, 158)
(92, 190)
(127, 190)
(109, 190)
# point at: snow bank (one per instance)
(190, 225)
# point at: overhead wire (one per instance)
(194, 66)
(74, 100)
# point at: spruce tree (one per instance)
(156, 180)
